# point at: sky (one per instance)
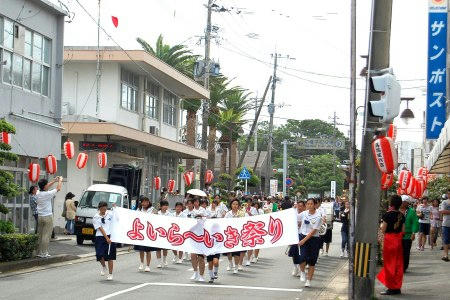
(315, 35)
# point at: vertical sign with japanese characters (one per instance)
(437, 67)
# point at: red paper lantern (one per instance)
(82, 160)
(34, 171)
(400, 191)
(192, 174)
(69, 149)
(157, 183)
(187, 179)
(404, 179)
(102, 160)
(392, 132)
(420, 188)
(423, 174)
(209, 176)
(384, 154)
(387, 180)
(51, 165)
(5, 138)
(171, 186)
(411, 189)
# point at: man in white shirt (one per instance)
(424, 214)
(45, 213)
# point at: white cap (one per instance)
(406, 198)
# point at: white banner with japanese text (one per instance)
(205, 236)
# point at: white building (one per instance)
(136, 119)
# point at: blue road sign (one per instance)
(245, 174)
(289, 181)
(437, 69)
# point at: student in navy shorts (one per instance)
(105, 250)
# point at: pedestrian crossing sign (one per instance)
(245, 174)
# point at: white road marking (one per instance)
(242, 287)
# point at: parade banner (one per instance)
(205, 236)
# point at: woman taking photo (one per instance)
(344, 216)
(393, 226)
(310, 222)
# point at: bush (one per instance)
(6, 227)
(17, 246)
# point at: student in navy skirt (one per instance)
(294, 250)
(145, 206)
(310, 242)
(105, 250)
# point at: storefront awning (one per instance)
(439, 160)
(123, 133)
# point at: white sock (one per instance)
(164, 258)
(159, 261)
(296, 265)
(216, 269)
(211, 273)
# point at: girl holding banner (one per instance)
(163, 211)
(198, 260)
(238, 255)
(146, 207)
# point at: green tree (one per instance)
(437, 187)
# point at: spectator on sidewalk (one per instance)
(345, 219)
(444, 210)
(286, 203)
(435, 223)
(424, 214)
(45, 213)
(411, 227)
(337, 208)
(71, 210)
(393, 226)
(33, 205)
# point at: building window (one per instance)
(17, 70)
(30, 71)
(129, 87)
(170, 108)
(7, 61)
(8, 34)
(151, 101)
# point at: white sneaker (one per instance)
(200, 278)
(141, 267)
(235, 271)
(346, 254)
(342, 254)
(247, 263)
(302, 276)
(47, 255)
(295, 271)
(103, 271)
(229, 268)
(165, 263)
(254, 260)
(174, 260)
(321, 251)
(180, 261)
(194, 276)
(240, 268)
(147, 269)
(110, 277)
(307, 283)
(159, 266)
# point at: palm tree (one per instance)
(233, 110)
(191, 106)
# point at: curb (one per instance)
(11, 266)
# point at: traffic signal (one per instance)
(388, 107)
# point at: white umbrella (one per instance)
(197, 192)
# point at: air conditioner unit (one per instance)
(154, 130)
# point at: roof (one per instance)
(249, 160)
(439, 160)
(51, 7)
(107, 188)
(141, 62)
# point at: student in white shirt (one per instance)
(189, 213)
(198, 260)
(146, 207)
(323, 215)
(45, 213)
(163, 211)
(311, 221)
(213, 212)
(238, 255)
(105, 250)
(180, 214)
(257, 210)
(294, 250)
(424, 214)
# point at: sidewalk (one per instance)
(426, 278)
(337, 288)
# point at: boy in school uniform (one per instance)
(105, 250)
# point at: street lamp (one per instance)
(407, 114)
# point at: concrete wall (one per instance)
(33, 138)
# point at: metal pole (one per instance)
(334, 146)
(368, 203)
(352, 152)
(246, 186)
(205, 110)
(97, 103)
(284, 167)
(271, 112)
(255, 144)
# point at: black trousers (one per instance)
(406, 253)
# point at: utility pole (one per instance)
(334, 145)
(368, 204)
(352, 152)
(255, 145)
(205, 110)
(97, 102)
(271, 113)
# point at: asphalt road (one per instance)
(269, 278)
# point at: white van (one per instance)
(88, 207)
